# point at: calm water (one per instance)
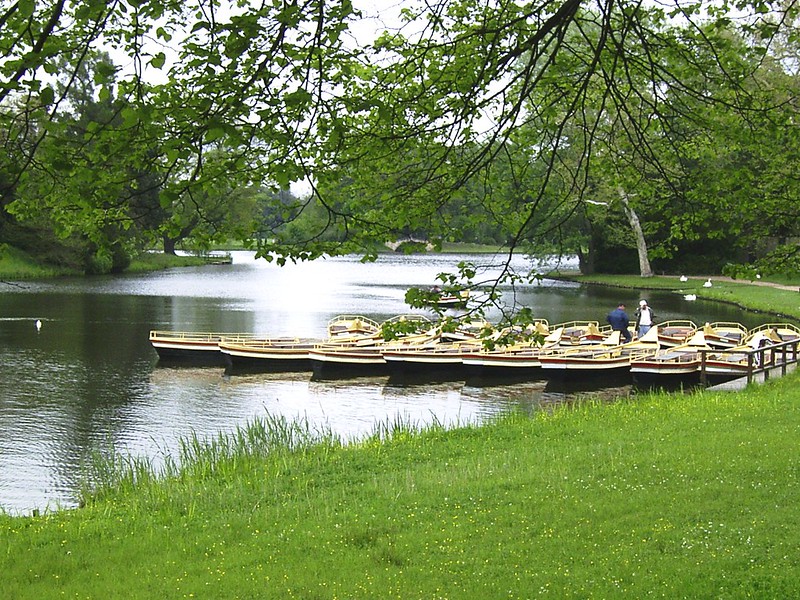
(89, 378)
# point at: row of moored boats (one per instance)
(356, 345)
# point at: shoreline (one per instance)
(776, 299)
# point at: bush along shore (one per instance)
(666, 495)
(18, 265)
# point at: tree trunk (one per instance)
(171, 242)
(169, 245)
(586, 259)
(641, 243)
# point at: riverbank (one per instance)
(17, 265)
(780, 299)
(671, 496)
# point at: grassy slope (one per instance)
(155, 261)
(669, 496)
(773, 300)
(15, 264)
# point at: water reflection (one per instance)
(89, 378)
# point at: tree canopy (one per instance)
(542, 121)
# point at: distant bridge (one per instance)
(396, 244)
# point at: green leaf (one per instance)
(163, 34)
(158, 60)
(215, 133)
(299, 97)
(167, 198)
(46, 96)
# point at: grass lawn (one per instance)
(774, 300)
(691, 496)
(16, 264)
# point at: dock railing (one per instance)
(759, 360)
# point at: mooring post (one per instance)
(703, 376)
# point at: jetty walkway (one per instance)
(735, 385)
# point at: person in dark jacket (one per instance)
(619, 321)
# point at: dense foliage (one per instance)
(599, 129)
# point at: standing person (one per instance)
(619, 321)
(645, 318)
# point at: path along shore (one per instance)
(761, 282)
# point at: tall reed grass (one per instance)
(269, 438)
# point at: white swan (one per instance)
(684, 279)
(707, 283)
(38, 325)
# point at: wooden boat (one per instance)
(522, 359)
(459, 300)
(582, 333)
(349, 359)
(194, 347)
(606, 357)
(291, 353)
(444, 355)
(675, 333)
(465, 330)
(736, 362)
(331, 359)
(351, 326)
(721, 334)
(433, 358)
(203, 347)
(437, 298)
(338, 357)
(278, 354)
(673, 363)
(429, 357)
(517, 359)
(786, 332)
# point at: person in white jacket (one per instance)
(645, 318)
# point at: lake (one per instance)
(89, 380)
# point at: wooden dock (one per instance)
(735, 385)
